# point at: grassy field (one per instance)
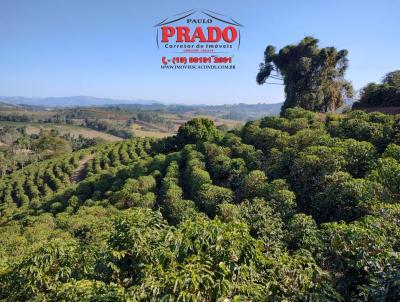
(143, 130)
(156, 124)
(139, 132)
(34, 128)
(143, 133)
(219, 121)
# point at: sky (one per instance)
(108, 48)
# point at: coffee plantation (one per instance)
(302, 207)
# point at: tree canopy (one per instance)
(313, 76)
(386, 94)
(198, 130)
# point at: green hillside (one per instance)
(303, 207)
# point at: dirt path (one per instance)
(80, 171)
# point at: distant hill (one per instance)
(239, 111)
(71, 101)
(4, 105)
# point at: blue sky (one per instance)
(107, 48)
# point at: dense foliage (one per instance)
(313, 76)
(385, 94)
(293, 208)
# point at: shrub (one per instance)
(387, 173)
(211, 196)
(255, 184)
(346, 198)
(198, 130)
